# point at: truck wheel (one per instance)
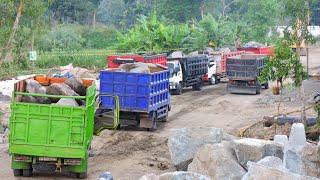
(198, 86)
(178, 91)
(259, 89)
(213, 80)
(17, 172)
(27, 172)
(83, 175)
(154, 123)
(165, 118)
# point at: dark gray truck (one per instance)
(243, 72)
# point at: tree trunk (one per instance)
(94, 20)
(7, 54)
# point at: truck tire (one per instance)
(27, 172)
(213, 80)
(165, 118)
(154, 123)
(17, 172)
(83, 175)
(258, 89)
(178, 91)
(198, 86)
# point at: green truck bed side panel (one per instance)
(50, 130)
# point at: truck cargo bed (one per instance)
(137, 92)
(51, 130)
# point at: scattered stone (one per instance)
(281, 139)
(217, 161)
(76, 86)
(184, 143)
(106, 176)
(255, 149)
(272, 162)
(261, 172)
(297, 138)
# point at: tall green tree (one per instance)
(22, 20)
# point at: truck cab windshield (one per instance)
(174, 68)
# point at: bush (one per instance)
(65, 37)
(76, 37)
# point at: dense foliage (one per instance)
(53, 26)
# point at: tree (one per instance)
(297, 12)
(28, 19)
(73, 11)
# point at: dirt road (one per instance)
(131, 154)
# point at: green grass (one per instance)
(90, 59)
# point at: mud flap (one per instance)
(147, 120)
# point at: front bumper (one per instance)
(173, 86)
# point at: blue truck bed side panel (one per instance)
(138, 92)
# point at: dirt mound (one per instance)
(123, 143)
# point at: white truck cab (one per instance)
(212, 75)
(176, 76)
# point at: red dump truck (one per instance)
(217, 66)
(114, 61)
(268, 50)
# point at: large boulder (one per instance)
(272, 162)
(177, 175)
(262, 172)
(33, 86)
(75, 85)
(184, 143)
(255, 149)
(305, 161)
(81, 73)
(217, 161)
(299, 156)
(61, 89)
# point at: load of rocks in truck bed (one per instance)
(140, 68)
(71, 87)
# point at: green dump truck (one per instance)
(48, 135)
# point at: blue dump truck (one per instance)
(143, 98)
(243, 72)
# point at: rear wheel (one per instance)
(258, 88)
(178, 91)
(165, 118)
(198, 86)
(17, 172)
(154, 122)
(213, 80)
(27, 172)
(83, 175)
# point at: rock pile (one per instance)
(209, 153)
